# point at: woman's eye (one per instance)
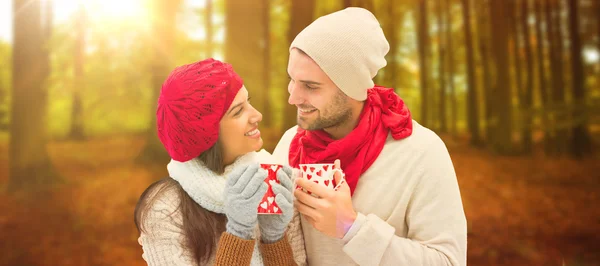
(238, 112)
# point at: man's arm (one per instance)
(437, 228)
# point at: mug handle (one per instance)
(342, 180)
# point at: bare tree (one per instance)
(162, 41)
(366, 4)
(390, 28)
(302, 12)
(78, 75)
(245, 47)
(543, 90)
(554, 29)
(208, 24)
(472, 107)
(515, 35)
(580, 139)
(29, 165)
(502, 109)
(451, 62)
(442, 64)
(486, 61)
(423, 43)
(526, 93)
(267, 114)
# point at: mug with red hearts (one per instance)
(267, 204)
(322, 174)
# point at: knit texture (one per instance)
(234, 250)
(162, 241)
(277, 254)
(192, 101)
(409, 206)
(203, 185)
(349, 46)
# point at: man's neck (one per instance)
(340, 131)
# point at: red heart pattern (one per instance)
(266, 206)
(318, 174)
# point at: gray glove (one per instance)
(244, 190)
(272, 227)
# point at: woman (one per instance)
(205, 213)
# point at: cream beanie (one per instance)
(349, 46)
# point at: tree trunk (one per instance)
(208, 24)
(555, 39)
(391, 32)
(266, 91)
(598, 37)
(483, 30)
(77, 132)
(502, 108)
(302, 12)
(441, 69)
(516, 42)
(245, 46)
(541, 71)
(30, 166)
(580, 139)
(423, 43)
(163, 37)
(366, 4)
(472, 105)
(526, 93)
(453, 114)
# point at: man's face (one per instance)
(321, 104)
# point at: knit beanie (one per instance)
(192, 102)
(349, 46)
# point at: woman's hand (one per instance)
(244, 190)
(273, 226)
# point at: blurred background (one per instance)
(512, 86)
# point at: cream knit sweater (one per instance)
(409, 209)
(162, 240)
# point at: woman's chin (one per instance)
(258, 145)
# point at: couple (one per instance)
(401, 203)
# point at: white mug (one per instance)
(322, 174)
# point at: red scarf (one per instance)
(383, 112)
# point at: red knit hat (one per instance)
(192, 101)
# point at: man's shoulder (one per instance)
(289, 135)
(283, 146)
(419, 141)
(291, 131)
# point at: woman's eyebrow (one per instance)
(235, 106)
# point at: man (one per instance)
(400, 204)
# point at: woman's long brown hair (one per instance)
(201, 228)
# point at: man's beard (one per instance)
(339, 113)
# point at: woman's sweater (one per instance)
(163, 237)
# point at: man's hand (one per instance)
(331, 212)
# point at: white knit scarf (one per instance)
(207, 188)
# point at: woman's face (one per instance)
(239, 132)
